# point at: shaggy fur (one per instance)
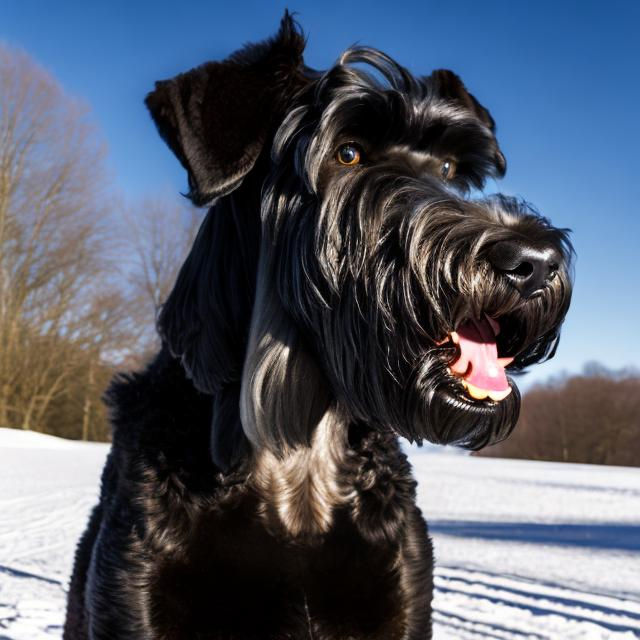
(256, 488)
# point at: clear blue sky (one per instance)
(562, 80)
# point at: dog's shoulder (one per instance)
(161, 441)
(156, 409)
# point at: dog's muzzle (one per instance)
(529, 267)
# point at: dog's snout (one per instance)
(528, 267)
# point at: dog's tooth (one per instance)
(455, 337)
(505, 362)
(475, 392)
(481, 394)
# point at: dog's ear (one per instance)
(450, 87)
(216, 118)
(284, 394)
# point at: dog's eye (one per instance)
(448, 169)
(349, 154)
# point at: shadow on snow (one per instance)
(615, 537)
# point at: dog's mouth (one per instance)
(477, 365)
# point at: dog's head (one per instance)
(343, 267)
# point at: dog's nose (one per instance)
(528, 267)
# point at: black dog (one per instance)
(341, 290)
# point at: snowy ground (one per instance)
(523, 549)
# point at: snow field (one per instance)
(524, 550)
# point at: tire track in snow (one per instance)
(477, 605)
(19, 573)
(463, 629)
(561, 595)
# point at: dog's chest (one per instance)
(234, 580)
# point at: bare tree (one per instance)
(53, 201)
(156, 236)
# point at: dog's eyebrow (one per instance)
(439, 110)
(417, 156)
(461, 134)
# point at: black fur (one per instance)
(255, 487)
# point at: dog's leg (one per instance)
(75, 627)
(417, 576)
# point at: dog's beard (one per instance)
(440, 410)
(434, 397)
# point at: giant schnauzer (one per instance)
(343, 290)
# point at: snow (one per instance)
(18, 439)
(532, 549)
(523, 549)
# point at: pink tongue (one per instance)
(478, 362)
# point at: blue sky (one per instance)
(562, 80)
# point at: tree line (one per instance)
(81, 271)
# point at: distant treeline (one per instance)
(592, 418)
